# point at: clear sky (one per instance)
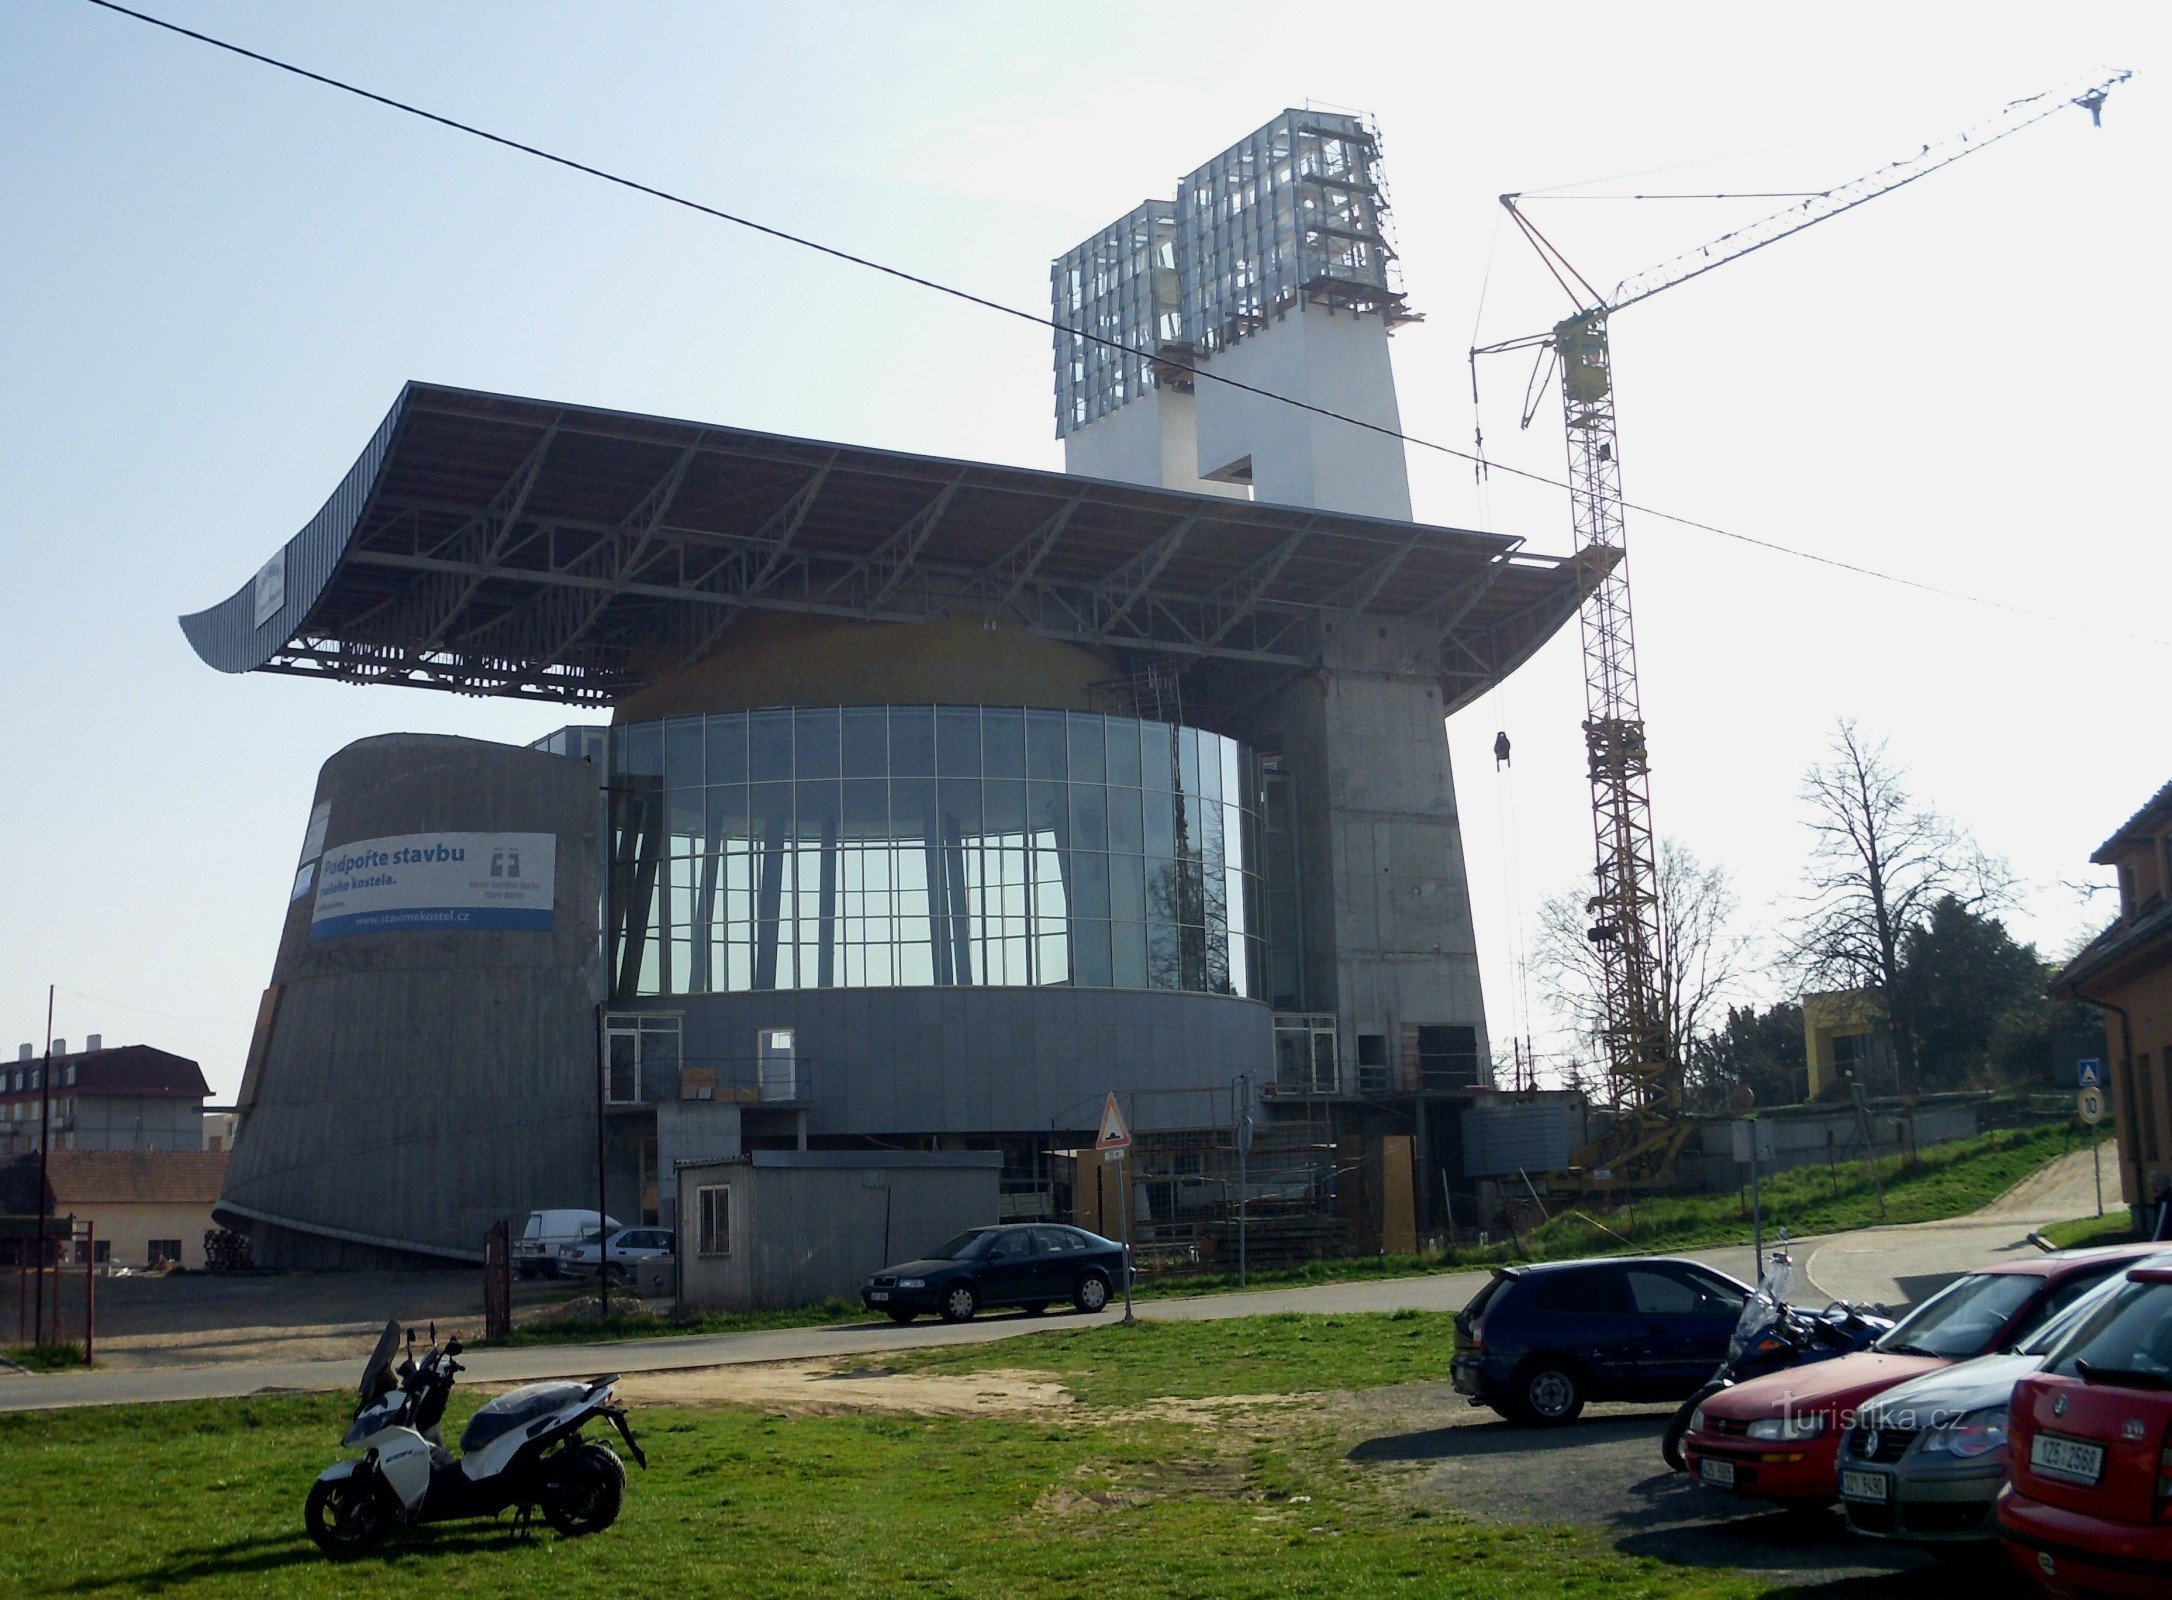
(216, 277)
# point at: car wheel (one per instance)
(527, 1271)
(900, 1316)
(1092, 1293)
(1548, 1393)
(616, 1273)
(959, 1303)
(1034, 1308)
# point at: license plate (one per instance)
(2072, 1459)
(1716, 1471)
(1864, 1486)
(878, 1294)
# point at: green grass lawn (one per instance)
(205, 1500)
(2114, 1227)
(1285, 1354)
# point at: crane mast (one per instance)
(1642, 1055)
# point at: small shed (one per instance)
(774, 1228)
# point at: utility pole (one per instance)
(45, 1144)
(603, 1278)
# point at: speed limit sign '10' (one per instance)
(2090, 1103)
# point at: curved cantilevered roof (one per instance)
(499, 546)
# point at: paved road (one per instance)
(1894, 1265)
(1440, 1292)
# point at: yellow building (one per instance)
(2127, 969)
(1844, 1035)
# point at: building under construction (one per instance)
(937, 799)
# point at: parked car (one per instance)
(619, 1253)
(1778, 1437)
(1926, 1460)
(2089, 1510)
(535, 1252)
(1033, 1267)
(1537, 1342)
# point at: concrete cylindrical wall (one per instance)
(421, 1082)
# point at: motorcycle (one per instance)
(522, 1451)
(1772, 1335)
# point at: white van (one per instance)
(536, 1250)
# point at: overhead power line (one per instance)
(1017, 313)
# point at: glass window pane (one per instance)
(818, 805)
(1003, 743)
(1210, 767)
(1127, 954)
(770, 808)
(1126, 829)
(728, 749)
(1127, 887)
(866, 739)
(961, 815)
(1232, 774)
(1156, 758)
(1162, 956)
(912, 809)
(1048, 814)
(814, 742)
(1006, 810)
(1090, 954)
(769, 744)
(1187, 748)
(957, 741)
(641, 750)
(1160, 818)
(1089, 817)
(1045, 746)
(1089, 885)
(682, 753)
(685, 817)
(1085, 740)
(912, 741)
(867, 809)
(1123, 751)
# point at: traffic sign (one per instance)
(2089, 1074)
(2090, 1103)
(1114, 1138)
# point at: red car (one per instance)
(1778, 1437)
(2088, 1509)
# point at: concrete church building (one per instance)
(930, 801)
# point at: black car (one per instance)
(1537, 1342)
(1019, 1266)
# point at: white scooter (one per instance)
(520, 1452)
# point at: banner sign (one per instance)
(427, 882)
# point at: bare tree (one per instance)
(1702, 953)
(1878, 863)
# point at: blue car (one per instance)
(1538, 1342)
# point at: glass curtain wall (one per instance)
(931, 845)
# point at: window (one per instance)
(164, 1250)
(1058, 1241)
(1661, 1294)
(1592, 1290)
(2128, 890)
(715, 1209)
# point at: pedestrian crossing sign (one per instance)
(2091, 1074)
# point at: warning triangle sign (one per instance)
(1114, 1135)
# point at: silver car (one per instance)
(621, 1253)
(1925, 1460)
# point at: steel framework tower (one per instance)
(1644, 1068)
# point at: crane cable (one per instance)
(1020, 314)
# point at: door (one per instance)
(1584, 1313)
(1007, 1269)
(1056, 1259)
(1684, 1319)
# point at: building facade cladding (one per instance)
(1116, 303)
(407, 1088)
(932, 846)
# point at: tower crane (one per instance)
(1642, 1056)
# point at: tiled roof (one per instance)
(2160, 801)
(85, 1179)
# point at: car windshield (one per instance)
(2126, 1339)
(963, 1248)
(1962, 1319)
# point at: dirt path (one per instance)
(831, 1388)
